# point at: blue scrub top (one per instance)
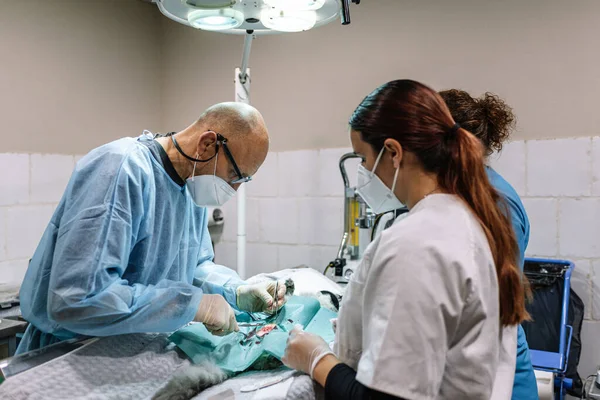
(525, 385)
(126, 251)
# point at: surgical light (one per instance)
(258, 17)
(288, 21)
(216, 20)
(296, 5)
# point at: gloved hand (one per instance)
(216, 314)
(304, 350)
(260, 297)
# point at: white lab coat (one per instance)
(420, 316)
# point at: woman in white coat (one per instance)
(431, 312)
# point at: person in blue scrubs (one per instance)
(492, 121)
(128, 249)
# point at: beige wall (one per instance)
(541, 55)
(76, 74)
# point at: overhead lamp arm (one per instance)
(346, 11)
(246, 55)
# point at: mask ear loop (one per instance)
(194, 170)
(377, 160)
(215, 175)
(395, 180)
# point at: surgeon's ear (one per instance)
(206, 144)
(394, 149)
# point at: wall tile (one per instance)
(2, 234)
(579, 227)
(13, 271)
(261, 258)
(321, 221)
(25, 226)
(321, 256)
(226, 254)
(265, 182)
(590, 353)
(595, 302)
(559, 167)
(543, 219)
(49, 177)
(252, 221)
(279, 220)
(596, 166)
(329, 177)
(14, 179)
(293, 256)
(510, 163)
(230, 215)
(581, 283)
(298, 173)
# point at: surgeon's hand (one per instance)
(216, 314)
(304, 350)
(260, 297)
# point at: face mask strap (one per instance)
(395, 180)
(214, 177)
(192, 158)
(194, 171)
(377, 160)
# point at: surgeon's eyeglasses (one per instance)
(240, 177)
(221, 140)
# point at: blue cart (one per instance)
(556, 362)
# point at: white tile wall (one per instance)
(298, 173)
(329, 180)
(590, 354)
(262, 184)
(596, 166)
(264, 258)
(321, 221)
(13, 271)
(511, 164)
(295, 212)
(596, 293)
(543, 219)
(2, 233)
(581, 282)
(252, 221)
(14, 179)
(293, 256)
(279, 220)
(560, 167)
(226, 254)
(579, 226)
(49, 177)
(24, 228)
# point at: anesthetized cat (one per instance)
(192, 379)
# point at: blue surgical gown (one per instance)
(126, 251)
(525, 385)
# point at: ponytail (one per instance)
(464, 175)
(417, 117)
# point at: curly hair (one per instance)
(488, 117)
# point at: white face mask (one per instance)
(209, 190)
(378, 197)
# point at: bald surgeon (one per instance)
(128, 250)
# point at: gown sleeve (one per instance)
(104, 209)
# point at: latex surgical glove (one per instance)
(304, 350)
(260, 297)
(216, 314)
(334, 324)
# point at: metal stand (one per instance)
(242, 95)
